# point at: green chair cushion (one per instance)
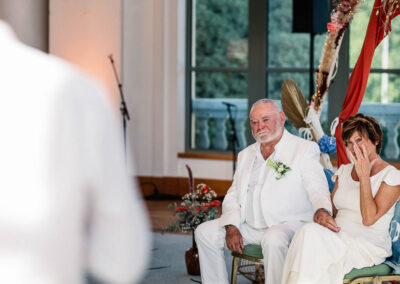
(376, 270)
(253, 251)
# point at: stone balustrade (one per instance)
(216, 137)
(388, 116)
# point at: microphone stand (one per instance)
(234, 133)
(122, 108)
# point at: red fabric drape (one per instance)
(359, 76)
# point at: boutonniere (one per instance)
(280, 168)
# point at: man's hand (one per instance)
(323, 218)
(234, 240)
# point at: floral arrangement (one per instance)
(280, 168)
(197, 207)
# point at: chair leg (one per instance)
(235, 264)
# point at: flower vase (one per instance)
(192, 258)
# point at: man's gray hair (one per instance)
(265, 101)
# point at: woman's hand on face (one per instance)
(361, 161)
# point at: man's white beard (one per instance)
(261, 138)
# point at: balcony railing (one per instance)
(213, 112)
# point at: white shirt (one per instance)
(294, 197)
(258, 174)
(67, 206)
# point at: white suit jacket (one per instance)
(67, 206)
(296, 196)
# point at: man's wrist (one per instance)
(324, 209)
(228, 226)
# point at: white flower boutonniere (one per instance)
(280, 168)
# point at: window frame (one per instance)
(257, 69)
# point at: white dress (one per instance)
(318, 255)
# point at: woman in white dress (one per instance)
(363, 201)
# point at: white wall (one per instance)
(85, 32)
(149, 36)
(154, 80)
(141, 36)
(29, 20)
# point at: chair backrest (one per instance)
(394, 260)
(329, 174)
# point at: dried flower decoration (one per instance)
(341, 17)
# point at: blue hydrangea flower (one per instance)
(327, 144)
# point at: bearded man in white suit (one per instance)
(262, 207)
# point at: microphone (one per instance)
(229, 104)
(111, 59)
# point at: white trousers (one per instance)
(210, 239)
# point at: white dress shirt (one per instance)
(294, 197)
(258, 174)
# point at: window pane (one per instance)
(386, 54)
(275, 80)
(387, 116)
(319, 41)
(393, 88)
(378, 111)
(220, 84)
(212, 131)
(358, 28)
(373, 90)
(282, 52)
(220, 34)
(381, 93)
(382, 88)
(394, 44)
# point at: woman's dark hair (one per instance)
(367, 126)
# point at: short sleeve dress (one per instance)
(318, 255)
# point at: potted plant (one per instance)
(197, 206)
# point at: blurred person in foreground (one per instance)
(363, 199)
(67, 206)
(266, 203)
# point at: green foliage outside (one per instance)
(221, 32)
(220, 40)
(358, 30)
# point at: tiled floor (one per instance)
(167, 262)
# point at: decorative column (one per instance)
(241, 128)
(392, 149)
(202, 139)
(29, 19)
(220, 141)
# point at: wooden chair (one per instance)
(250, 264)
(375, 274)
(252, 270)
